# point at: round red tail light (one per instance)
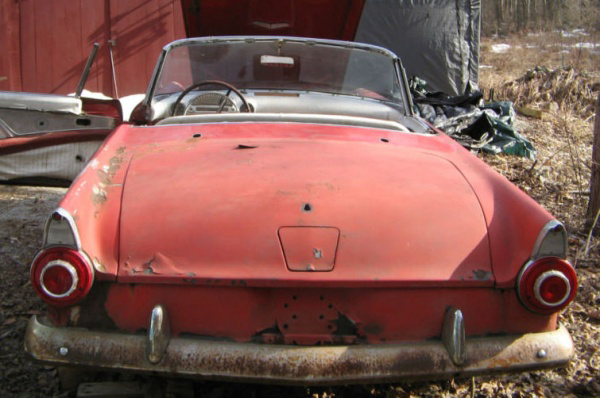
(61, 276)
(547, 285)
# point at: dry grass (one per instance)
(565, 85)
(544, 49)
(563, 89)
(536, 77)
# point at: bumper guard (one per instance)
(301, 365)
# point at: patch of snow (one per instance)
(574, 33)
(486, 67)
(580, 32)
(500, 48)
(586, 45)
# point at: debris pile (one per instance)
(475, 125)
(555, 89)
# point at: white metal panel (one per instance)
(58, 161)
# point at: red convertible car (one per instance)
(276, 213)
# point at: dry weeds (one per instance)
(563, 89)
(566, 87)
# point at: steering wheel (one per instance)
(229, 87)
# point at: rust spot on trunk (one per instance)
(105, 175)
(159, 264)
(482, 275)
(98, 195)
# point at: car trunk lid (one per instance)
(269, 212)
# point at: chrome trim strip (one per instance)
(289, 39)
(353, 121)
(68, 267)
(551, 226)
(405, 89)
(453, 335)
(75, 242)
(5, 130)
(40, 102)
(538, 284)
(155, 77)
(314, 365)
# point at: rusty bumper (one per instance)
(195, 357)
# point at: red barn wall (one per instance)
(10, 71)
(47, 43)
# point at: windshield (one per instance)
(281, 64)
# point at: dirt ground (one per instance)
(558, 179)
(22, 214)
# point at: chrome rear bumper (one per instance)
(195, 357)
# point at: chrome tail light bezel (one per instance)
(78, 265)
(551, 241)
(548, 259)
(535, 273)
(62, 248)
(61, 230)
(59, 264)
